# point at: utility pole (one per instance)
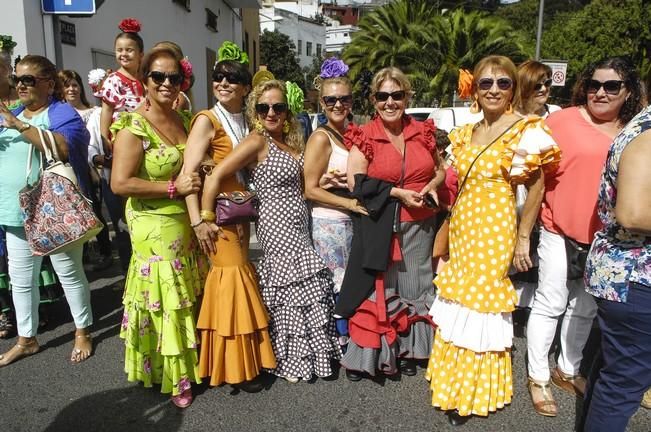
(540, 26)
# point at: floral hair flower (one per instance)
(130, 25)
(332, 67)
(95, 78)
(186, 67)
(230, 51)
(7, 43)
(464, 86)
(295, 97)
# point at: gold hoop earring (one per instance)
(509, 109)
(474, 108)
(258, 126)
(286, 127)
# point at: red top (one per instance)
(570, 202)
(447, 191)
(385, 162)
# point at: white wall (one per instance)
(337, 37)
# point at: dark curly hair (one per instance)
(627, 73)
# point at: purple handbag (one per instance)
(236, 207)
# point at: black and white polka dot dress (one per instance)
(296, 286)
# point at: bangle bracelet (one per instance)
(197, 223)
(24, 127)
(208, 216)
(171, 188)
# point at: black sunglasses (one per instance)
(232, 78)
(27, 80)
(263, 108)
(487, 83)
(330, 101)
(547, 83)
(611, 87)
(384, 96)
(176, 79)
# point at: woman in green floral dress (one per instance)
(165, 273)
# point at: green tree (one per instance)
(278, 52)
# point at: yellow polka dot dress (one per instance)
(470, 365)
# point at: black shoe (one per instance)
(102, 263)
(253, 386)
(408, 367)
(353, 376)
(455, 419)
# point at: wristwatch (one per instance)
(23, 127)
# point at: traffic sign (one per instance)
(68, 7)
(559, 72)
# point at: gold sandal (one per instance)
(23, 350)
(547, 406)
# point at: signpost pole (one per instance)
(540, 27)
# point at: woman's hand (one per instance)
(186, 184)
(410, 198)
(355, 206)
(521, 260)
(430, 196)
(8, 119)
(333, 179)
(207, 233)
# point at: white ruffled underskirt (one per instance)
(467, 328)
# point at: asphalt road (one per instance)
(47, 393)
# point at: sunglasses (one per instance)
(263, 108)
(27, 80)
(487, 83)
(330, 101)
(547, 83)
(230, 77)
(176, 79)
(611, 87)
(384, 96)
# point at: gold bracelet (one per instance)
(208, 216)
(23, 127)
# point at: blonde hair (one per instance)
(294, 138)
(530, 73)
(344, 80)
(501, 63)
(394, 74)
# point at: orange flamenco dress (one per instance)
(233, 322)
(470, 366)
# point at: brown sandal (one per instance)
(79, 355)
(547, 406)
(18, 352)
(572, 384)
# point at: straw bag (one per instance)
(56, 216)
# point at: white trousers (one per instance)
(24, 268)
(555, 296)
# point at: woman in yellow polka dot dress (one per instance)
(470, 366)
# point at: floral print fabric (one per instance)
(617, 256)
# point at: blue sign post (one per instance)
(68, 7)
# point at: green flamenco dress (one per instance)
(166, 273)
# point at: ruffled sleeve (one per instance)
(110, 92)
(429, 133)
(459, 137)
(137, 125)
(530, 147)
(355, 136)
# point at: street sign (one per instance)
(559, 72)
(68, 7)
(68, 32)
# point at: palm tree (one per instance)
(428, 46)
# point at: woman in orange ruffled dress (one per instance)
(470, 366)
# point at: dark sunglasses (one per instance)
(230, 77)
(487, 83)
(263, 108)
(176, 79)
(384, 96)
(27, 80)
(330, 101)
(547, 83)
(611, 87)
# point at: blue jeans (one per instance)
(24, 269)
(615, 392)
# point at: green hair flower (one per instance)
(7, 43)
(230, 51)
(295, 97)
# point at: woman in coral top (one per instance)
(605, 98)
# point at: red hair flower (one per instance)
(186, 67)
(129, 25)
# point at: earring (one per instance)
(257, 125)
(509, 109)
(286, 127)
(147, 103)
(474, 108)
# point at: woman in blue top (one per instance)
(40, 93)
(618, 275)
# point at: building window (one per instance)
(308, 49)
(299, 47)
(345, 34)
(185, 4)
(211, 20)
(318, 50)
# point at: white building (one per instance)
(304, 8)
(308, 35)
(85, 43)
(338, 36)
